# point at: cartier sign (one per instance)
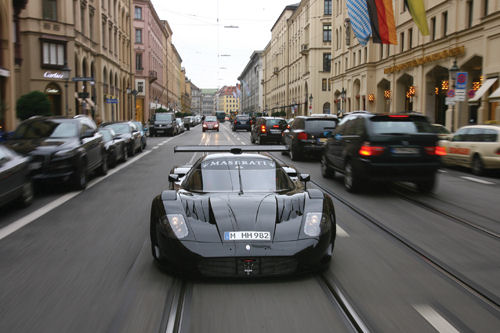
(50, 75)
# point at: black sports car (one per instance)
(235, 213)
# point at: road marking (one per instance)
(472, 179)
(435, 319)
(155, 147)
(341, 232)
(25, 220)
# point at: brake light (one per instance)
(498, 151)
(276, 126)
(288, 126)
(398, 116)
(263, 128)
(438, 151)
(235, 121)
(367, 150)
(302, 136)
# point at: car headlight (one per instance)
(65, 153)
(178, 225)
(312, 225)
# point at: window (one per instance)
(381, 51)
(485, 7)
(327, 33)
(138, 36)
(54, 54)
(404, 7)
(338, 7)
(402, 41)
(82, 20)
(410, 38)
(110, 39)
(366, 55)
(328, 7)
(138, 13)
(324, 84)
(104, 36)
(470, 6)
(433, 28)
(444, 21)
(49, 10)
(327, 61)
(91, 24)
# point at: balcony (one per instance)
(304, 49)
(153, 76)
(276, 70)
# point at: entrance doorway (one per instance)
(54, 94)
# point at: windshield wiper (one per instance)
(239, 177)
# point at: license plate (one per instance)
(322, 140)
(275, 131)
(247, 235)
(405, 151)
(243, 122)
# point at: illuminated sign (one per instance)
(50, 75)
(52, 91)
(423, 60)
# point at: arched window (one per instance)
(326, 108)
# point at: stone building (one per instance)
(208, 101)
(251, 88)
(195, 99)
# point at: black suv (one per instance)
(267, 129)
(163, 123)
(61, 148)
(308, 135)
(241, 122)
(383, 147)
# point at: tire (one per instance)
(217, 130)
(80, 177)
(112, 160)
(477, 165)
(131, 151)
(326, 171)
(125, 154)
(155, 249)
(203, 131)
(27, 195)
(352, 183)
(426, 186)
(294, 155)
(252, 140)
(103, 168)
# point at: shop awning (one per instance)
(496, 95)
(481, 91)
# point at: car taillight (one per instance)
(287, 126)
(263, 128)
(398, 116)
(276, 126)
(367, 150)
(235, 122)
(438, 151)
(498, 151)
(302, 136)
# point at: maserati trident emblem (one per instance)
(247, 247)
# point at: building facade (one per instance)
(251, 87)
(208, 101)
(195, 99)
(228, 99)
(150, 46)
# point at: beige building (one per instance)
(78, 39)
(297, 61)
(414, 75)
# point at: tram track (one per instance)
(175, 318)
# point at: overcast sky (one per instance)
(199, 39)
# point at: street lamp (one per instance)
(310, 103)
(453, 75)
(66, 71)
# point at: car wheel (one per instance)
(252, 140)
(477, 166)
(426, 186)
(103, 169)
(155, 248)
(131, 151)
(124, 154)
(326, 171)
(112, 160)
(203, 131)
(80, 177)
(294, 155)
(27, 195)
(351, 179)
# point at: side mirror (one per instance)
(88, 134)
(305, 178)
(173, 177)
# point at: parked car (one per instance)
(383, 147)
(210, 124)
(476, 147)
(307, 135)
(267, 129)
(442, 132)
(162, 123)
(116, 148)
(142, 131)
(66, 149)
(188, 123)
(15, 182)
(180, 125)
(241, 122)
(129, 133)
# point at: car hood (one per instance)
(210, 216)
(42, 145)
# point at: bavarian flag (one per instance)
(382, 21)
(417, 11)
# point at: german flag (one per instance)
(382, 21)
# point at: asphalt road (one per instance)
(82, 261)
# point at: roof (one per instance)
(289, 7)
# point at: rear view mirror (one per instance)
(173, 177)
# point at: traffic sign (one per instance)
(111, 101)
(450, 93)
(450, 101)
(460, 95)
(471, 93)
(86, 79)
(461, 80)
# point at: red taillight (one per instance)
(302, 136)
(438, 151)
(263, 128)
(276, 126)
(398, 116)
(288, 126)
(367, 150)
(235, 122)
(498, 151)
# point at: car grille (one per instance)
(262, 266)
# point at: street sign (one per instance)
(461, 81)
(111, 101)
(450, 93)
(471, 93)
(83, 95)
(460, 95)
(450, 101)
(86, 79)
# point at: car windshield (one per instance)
(106, 135)
(273, 122)
(164, 116)
(121, 128)
(211, 118)
(320, 125)
(46, 129)
(138, 125)
(257, 174)
(386, 125)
